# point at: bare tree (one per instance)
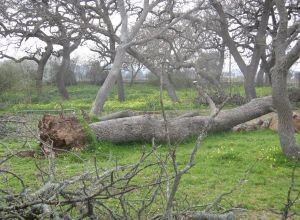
(127, 39)
(130, 39)
(13, 25)
(258, 40)
(50, 22)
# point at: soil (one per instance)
(61, 134)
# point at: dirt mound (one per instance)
(62, 133)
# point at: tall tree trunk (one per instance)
(170, 88)
(60, 77)
(286, 130)
(249, 85)
(121, 91)
(41, 67)
(109, 82)
(39, 79)
(220, 64)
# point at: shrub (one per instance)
(9, 74)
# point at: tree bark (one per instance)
(109, 81)
(284, 60)
(60, 77)
(143, 128)
(286, 129)
(249, 84)
(41, 67)
(121, 91)
(39, 79)
(170, 87)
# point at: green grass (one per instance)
(138, 97)
(221, 162)
(260, 91)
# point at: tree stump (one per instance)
(61, 134)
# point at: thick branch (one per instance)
(144, 128)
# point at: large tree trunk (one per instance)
(285, 58)
(41, 67)
(144, 128)
(39, 79)
(170, 87)
(286, 129)
(109, 82)
(121, 91)
(60, 77)
(249, 85)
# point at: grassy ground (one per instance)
(221, 162)
(138, 97)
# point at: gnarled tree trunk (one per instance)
(121, 91)
(284, 60)
(41, 67)
(249, 84)
(144, 128)
(286, 129)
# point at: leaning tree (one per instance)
(129, 38)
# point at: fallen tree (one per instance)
(144, 128)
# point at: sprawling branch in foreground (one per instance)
(144, 127)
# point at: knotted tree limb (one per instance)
(144, 127)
